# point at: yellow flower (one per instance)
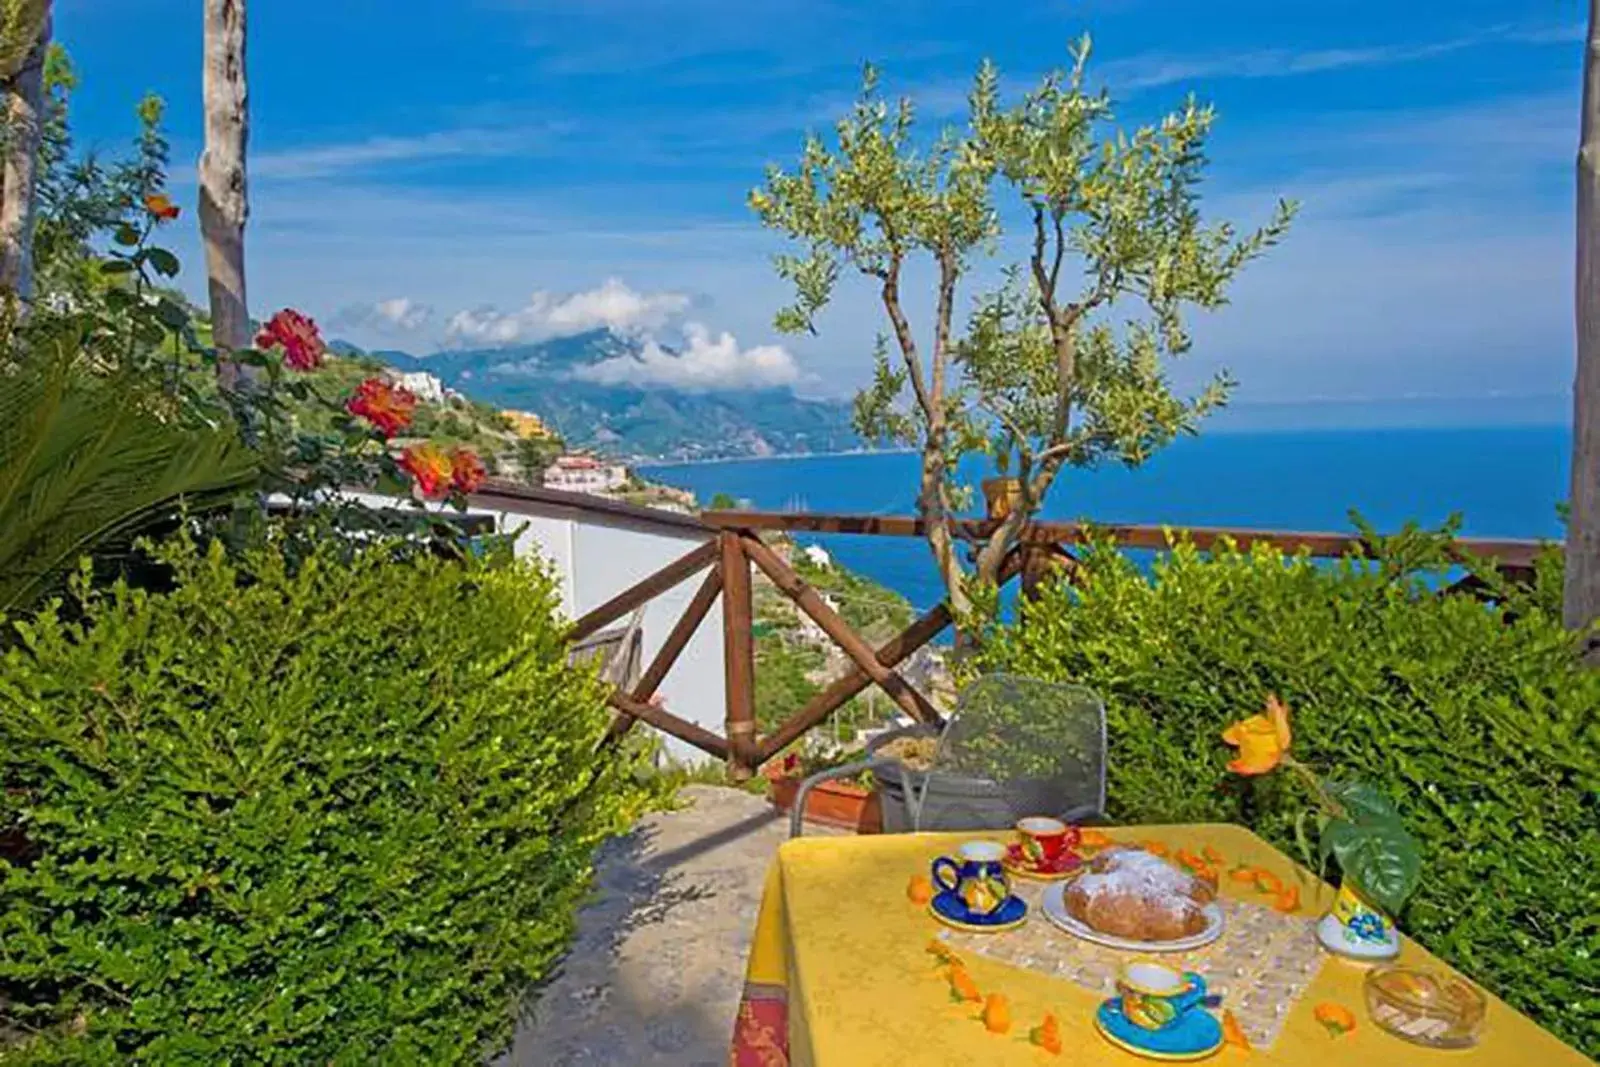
(1262, 740)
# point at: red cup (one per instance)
(1046, 842)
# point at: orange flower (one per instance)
(1232, 1033)
(1336, 1017)
(161, 207)
(1262, 740)
(297, 335)
(1190, 860)
(1268, 882)
(387, 407)
(1288, 901)
(1212, 855)
(996, 1014)
(961, 984)
(1093, 839)
(466, 470)
(919, 890)
(1243, 874)
(1047, 1035)
(1155, 848)
(429, 468)
(943, 952)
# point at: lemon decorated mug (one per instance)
(976, 875)
(1154, 995)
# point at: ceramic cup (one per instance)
(976, 875)
(1045, 841)
(1154, 995)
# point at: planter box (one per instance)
(842, 805)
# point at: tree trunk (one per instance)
(224, 205)
(1582, 592)
(24, 112)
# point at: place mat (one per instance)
(1261, 965)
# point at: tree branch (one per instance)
(908, 343)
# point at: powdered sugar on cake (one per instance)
(1136, 873)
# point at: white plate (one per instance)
(1054, 906)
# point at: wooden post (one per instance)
(641, 591)
(738, 656)
(664, 720)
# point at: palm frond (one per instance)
(84, 461)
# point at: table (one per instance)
(840, 974)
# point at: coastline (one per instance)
(646, 464)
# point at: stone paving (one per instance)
(655, 974)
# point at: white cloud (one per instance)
(398, 315)
(704, 362)
(612, 305)
(323, 161)
(1153, 70)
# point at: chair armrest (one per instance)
(798, 812)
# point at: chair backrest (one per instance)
(1042, 744)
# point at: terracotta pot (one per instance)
(1002, 495)
(843, 805)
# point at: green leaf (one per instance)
(165, 263)
(171, 314)
(1363, 802)
(126, 235)
(116, 266)
(1381, 859)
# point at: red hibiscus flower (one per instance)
(161, 207)
(429, 468)
(467, 471)
(388, 407)
(297, 335)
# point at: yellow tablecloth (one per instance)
(838, 939)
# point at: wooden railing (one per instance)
(737, 546)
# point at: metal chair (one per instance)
(1015, 747)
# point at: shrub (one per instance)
(1473, 717)
(343, 814)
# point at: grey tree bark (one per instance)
(224, 205)
(1582, 591)
(23, 107)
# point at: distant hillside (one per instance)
(635, 422)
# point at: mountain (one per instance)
(632, 421)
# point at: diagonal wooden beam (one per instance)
(653, 586)
(810, 601)
(667, 722)
(670, 650)
(842, 689)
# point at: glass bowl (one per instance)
(1425, 1007)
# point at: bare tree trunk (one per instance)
(24, 109)
(1582, 592)
(224, 205)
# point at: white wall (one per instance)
(597, 556)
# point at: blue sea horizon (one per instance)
(1504, 481)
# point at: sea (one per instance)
(1505, 481)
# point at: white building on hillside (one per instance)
(422, 385)
(584, 474)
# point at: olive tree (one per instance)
(1039, 373)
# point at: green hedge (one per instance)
(1474, 718)
(343, 815)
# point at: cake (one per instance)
(1127, 892)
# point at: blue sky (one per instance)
(493, 170)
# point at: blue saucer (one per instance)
(1194, 1035)
(950, 909)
